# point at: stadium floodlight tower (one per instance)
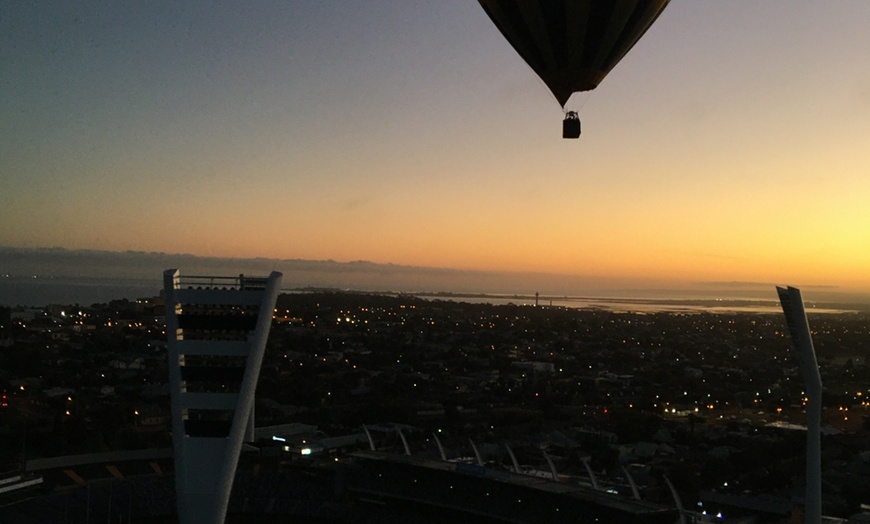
(799, 329)
(216, 328)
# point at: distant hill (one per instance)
(371, 276)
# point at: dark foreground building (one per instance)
(474, 492)
(363, 487)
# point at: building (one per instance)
(216, 329)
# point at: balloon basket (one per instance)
(571, 125)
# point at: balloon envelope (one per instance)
(572, 44)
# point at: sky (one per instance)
(731, 144)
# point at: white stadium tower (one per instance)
(216, 329)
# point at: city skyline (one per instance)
(727, 146)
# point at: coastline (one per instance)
(37, 291)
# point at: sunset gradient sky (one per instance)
(731, 144)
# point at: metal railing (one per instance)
(240, 282)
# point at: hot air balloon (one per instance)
(572, 44)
